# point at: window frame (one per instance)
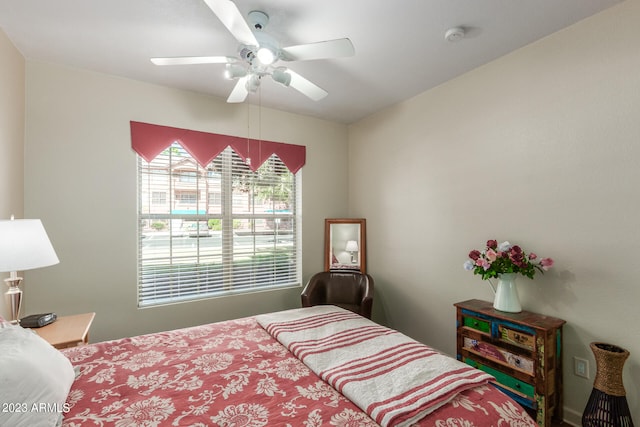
(227, 218)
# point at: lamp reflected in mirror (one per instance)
(352, 247)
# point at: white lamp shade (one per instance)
(24, 245)
(352, 246)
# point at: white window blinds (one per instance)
(215, 230)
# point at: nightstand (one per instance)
(67, 331)
(523, 351)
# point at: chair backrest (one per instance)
(343, 287)
(352, 290)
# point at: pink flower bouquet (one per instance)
(503, 258)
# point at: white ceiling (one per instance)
(400, 45)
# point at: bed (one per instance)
(317, 366)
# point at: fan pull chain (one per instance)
(248, 159)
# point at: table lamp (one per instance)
(352, 246)
(24, 245)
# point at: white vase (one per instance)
(507, 298)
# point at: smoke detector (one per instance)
(454, 34)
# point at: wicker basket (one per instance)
(607, 405)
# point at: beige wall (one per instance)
(540, 147)
(80, 179)
(11, 137)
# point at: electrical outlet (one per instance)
(581, 367)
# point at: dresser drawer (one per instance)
(504, 379)
(500, 355)
(477, 324)
(515, 337)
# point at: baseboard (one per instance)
(572, 418)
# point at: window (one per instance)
(187, 176)
(215, 199)
(159, 198)
(218, 230)
(187, 198)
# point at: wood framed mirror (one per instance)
(345, 244)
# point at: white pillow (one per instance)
(35, 379)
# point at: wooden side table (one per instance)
(67, 331)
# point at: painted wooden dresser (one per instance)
(521, 350)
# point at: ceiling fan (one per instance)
(259, 53)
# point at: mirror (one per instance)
(345, 244)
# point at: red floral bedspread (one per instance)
(232, 373)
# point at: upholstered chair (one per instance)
(351, 290)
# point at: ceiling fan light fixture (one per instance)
(268, 48)
(253, 83)
(281, 76)
(266, 56)
(234, 71)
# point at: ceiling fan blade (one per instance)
(189, 60)
(326, 49)
(230, 16)
(239, 92)
(306, 87)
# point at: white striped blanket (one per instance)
(393, 378)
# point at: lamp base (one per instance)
(14, 297)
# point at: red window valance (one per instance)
(149, 140)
